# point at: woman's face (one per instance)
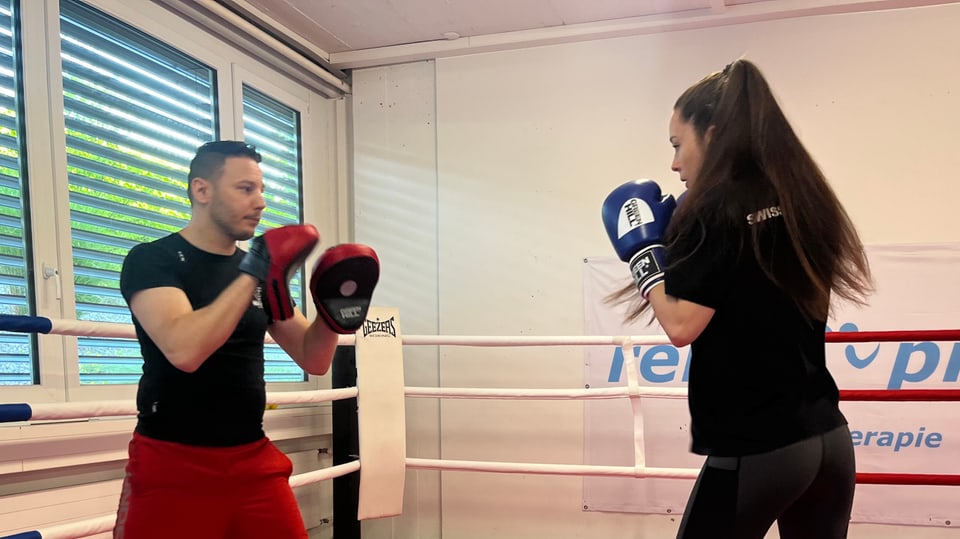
(687, 149)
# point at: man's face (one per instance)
(237, 201)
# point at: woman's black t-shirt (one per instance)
(758, 377)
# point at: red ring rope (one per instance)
(907, 479)
(900, 394)
(894, 336)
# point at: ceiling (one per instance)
(346, 25)
(360, 33)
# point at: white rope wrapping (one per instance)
(80, 410)
(82, 528)
(110, 330)
(80, 328)
(303, 397)
(633, 388)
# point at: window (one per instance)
(135, 111)
(274, 129)
(135, 106)
(17, 350)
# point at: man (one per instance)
(200, 465)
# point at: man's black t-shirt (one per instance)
(758, 377)
(222, 402)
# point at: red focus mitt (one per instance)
(273, 258)
(342, 285)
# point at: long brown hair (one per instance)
(754, 157)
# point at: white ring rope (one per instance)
(551, 469)
(556, 340)
(79, 328)
(326, 473)
(546, 394)
(112, 408)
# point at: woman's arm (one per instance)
(682, 320)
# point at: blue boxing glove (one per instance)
(636, 216)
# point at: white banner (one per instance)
(917, 288)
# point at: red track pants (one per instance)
(179, 491)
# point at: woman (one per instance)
(753, 251)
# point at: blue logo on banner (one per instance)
(851, 352)
(904, 369)
(658, 364)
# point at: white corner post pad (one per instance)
(380, 414)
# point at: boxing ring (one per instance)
(382, 457)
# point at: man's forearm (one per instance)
(188, 339)
(310, 344)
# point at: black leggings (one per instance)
(807, 487)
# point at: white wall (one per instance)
(395, 211)
(480, 183)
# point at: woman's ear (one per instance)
(709, 136)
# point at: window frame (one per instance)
(299, 101)
(39, 66)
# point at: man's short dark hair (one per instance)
(210, 157)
